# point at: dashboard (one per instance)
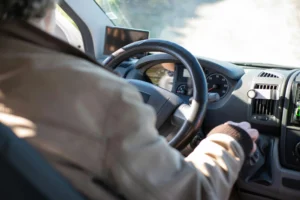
(268, 98)
(166, 72)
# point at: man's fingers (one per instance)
(247, 127)
(253, 134)
(232, 123)
(244, 125)
(254, 148)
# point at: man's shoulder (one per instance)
(80, 74)
(66, 79)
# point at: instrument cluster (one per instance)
(176, 78)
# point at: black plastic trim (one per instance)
(84, 30)
(291, 183)
(255, 194)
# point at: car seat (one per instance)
(24, 174)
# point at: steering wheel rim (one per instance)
(196, 113)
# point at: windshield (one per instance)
(260, 31)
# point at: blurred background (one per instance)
(262, 31)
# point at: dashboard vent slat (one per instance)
(265, 87)
(265, 107)
(298, 91)
(268, 75)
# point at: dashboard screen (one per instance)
(117, 37)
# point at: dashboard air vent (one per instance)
(265, 87)
(298, 93)
(268, 75)
(266, 99)
(263, 107)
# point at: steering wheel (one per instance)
(167, 104)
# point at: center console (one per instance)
(275, 103)
(290, 137)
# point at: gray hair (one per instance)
(25, 9)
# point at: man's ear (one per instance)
(47, 23)
(50, 21)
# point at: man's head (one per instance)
(40, 13)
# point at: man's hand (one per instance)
(253, 133)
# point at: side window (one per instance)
(67, 30)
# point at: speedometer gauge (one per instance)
(217, 83)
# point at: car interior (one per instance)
(190, 94)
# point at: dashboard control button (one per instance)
(213, 97)
(251, 94)
(261, 118)
(182, 89)
(264, 118)
(297, 112)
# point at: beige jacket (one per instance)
(66, 105)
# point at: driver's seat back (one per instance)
(24, 174)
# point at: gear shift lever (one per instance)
(258, 168)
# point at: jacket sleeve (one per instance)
(142, 165)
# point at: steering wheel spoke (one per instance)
(181, 115)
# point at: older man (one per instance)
(67, 107)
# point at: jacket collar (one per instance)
(24, 31)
